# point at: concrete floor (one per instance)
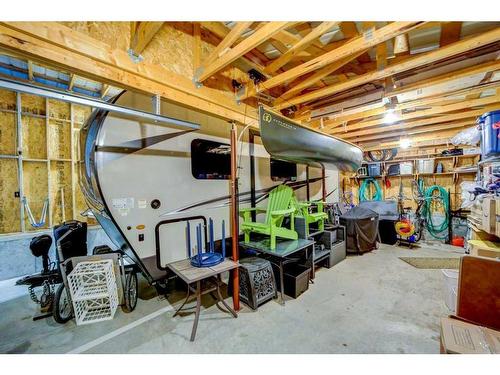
(374, 303)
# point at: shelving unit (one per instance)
(39, 152)
(450, 178)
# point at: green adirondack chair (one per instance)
(278, 206)
(302, 210)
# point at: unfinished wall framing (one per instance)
(39, 156)
(450, 178)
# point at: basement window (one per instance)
(210, 160)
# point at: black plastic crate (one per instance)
(295, 278)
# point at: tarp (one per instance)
(361, 226)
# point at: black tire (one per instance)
(130, 292)
(62, 309)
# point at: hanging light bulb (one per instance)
(404, 142)
(391, 116)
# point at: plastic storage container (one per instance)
(450, 288)
(295, 279)
(406, 167)
(489, 124)
(425, 165)
(374, 170)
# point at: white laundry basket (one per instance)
(450, 288)
(93, 290)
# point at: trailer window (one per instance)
(210, 160)
(283, 170)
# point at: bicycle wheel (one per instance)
(62, 309)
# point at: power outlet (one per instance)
(141, 237)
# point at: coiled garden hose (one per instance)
(364, 187)
(431, 206)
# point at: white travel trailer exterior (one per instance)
(135, 175)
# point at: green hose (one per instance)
(436, 229)
(364, 187)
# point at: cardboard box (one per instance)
(481, 248)
(489, 221)
(459, 337)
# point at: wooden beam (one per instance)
(410, 130)
(361, 43)
(366, 112)
(254, 58)
(300, 46)
(227, 42)
(257, 38)
(196, 47)
(411, 63)
(315, 78)
(30, 70)
(71, 81)
(407, 132)
(144, 33)
(426, 112)
(486, 67)
(105, 90)
(450, 33)
(411, 124)
(57, 45)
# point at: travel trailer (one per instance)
(135, 175)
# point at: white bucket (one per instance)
(450, 288)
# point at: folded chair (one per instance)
(278, 206)
(302, 210)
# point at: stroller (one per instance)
(71, 247)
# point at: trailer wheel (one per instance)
(62, 309)
(131, 291)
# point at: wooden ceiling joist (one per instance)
(490, 66)
(59, 46)
(227, 42)
(246, 45)
(449, 98)
(411, 130)
(411, 63)
(426, 112)
(316, 77)
(143, 34)
(361, 43)
(302, 44)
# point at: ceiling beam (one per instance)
(410, 63)
(415, 123)
(226, 43)
(359, 113)
(450, 33)
(71, 81)
(258, 37)
(486, 67)
(56, 45)
(360, 43)
(301, 45)
(409, 132)
(105, 90)
(426, 112)
(316, 77)
(143, 35)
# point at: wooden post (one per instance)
(234, 215)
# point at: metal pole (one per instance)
(308, 193)
(234, 215)
(323, 184)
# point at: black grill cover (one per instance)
(361, 225)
